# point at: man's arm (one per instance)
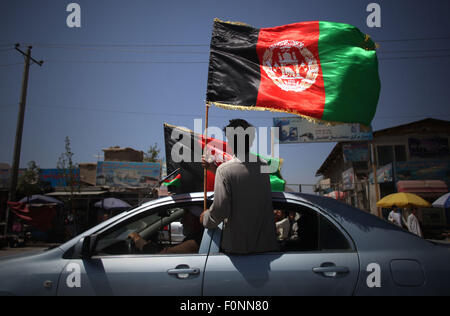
(220, 209)
(211, 166)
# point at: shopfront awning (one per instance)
(423, 187)
(82, 193)
(337, 195)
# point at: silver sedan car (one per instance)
(326, 248)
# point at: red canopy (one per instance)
(37, 215)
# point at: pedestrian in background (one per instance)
(395, 216)
(413, 223)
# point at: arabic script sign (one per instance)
(300, 130)
(128, 174)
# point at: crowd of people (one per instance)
(412, 224)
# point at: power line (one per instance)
(413, 57)
(118, 49)
(413, 39)
(79, 108)
(14, 64)
(207, 52)
(201, 62)
(86, 45)
(55, 45)
(123, 62)
(414, 51)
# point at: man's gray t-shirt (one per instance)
(243, 201)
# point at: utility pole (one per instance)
(19, 129)
(375, 178)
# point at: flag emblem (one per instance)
(290, 65)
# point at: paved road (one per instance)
(21, 250)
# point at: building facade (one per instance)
(413, 157)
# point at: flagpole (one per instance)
(205, 173)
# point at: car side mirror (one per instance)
(84, 247)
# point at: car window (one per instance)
(330, 238)
(302, 229)
(165, 230)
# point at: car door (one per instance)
(117, 273)
(179, 275)
(326, 266)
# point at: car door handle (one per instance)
(331, 271)
(183, 273)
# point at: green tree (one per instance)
(29, 182)
(152, 154)
(67, 170)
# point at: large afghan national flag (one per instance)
(184, 150)
(320, 70)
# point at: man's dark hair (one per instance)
(249, 130)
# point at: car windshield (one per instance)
(146, 227)
(133, 227)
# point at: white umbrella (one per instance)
(443, 201)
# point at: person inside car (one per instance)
(192, 230)
(282, 224)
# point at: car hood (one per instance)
(27, 254)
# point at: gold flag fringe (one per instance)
(181, 128)
(255, 108)
(231, 22)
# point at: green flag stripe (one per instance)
(277, 184)
(175, 182)
(350, 72)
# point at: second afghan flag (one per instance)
(321, 70)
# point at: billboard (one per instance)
(128, 174)
(348, 179)
(384, 174)
(300, 130)
(54, 177)
(354, 152)
(423, 170)
(433, 147)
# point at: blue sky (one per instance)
(134, 65)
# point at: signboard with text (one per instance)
(432, 147)
(56, 178)
(53, 177)
(128, 174)
(354, 152)
(300, 130)
(348, 179)
(384, 174)
(423, 170)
